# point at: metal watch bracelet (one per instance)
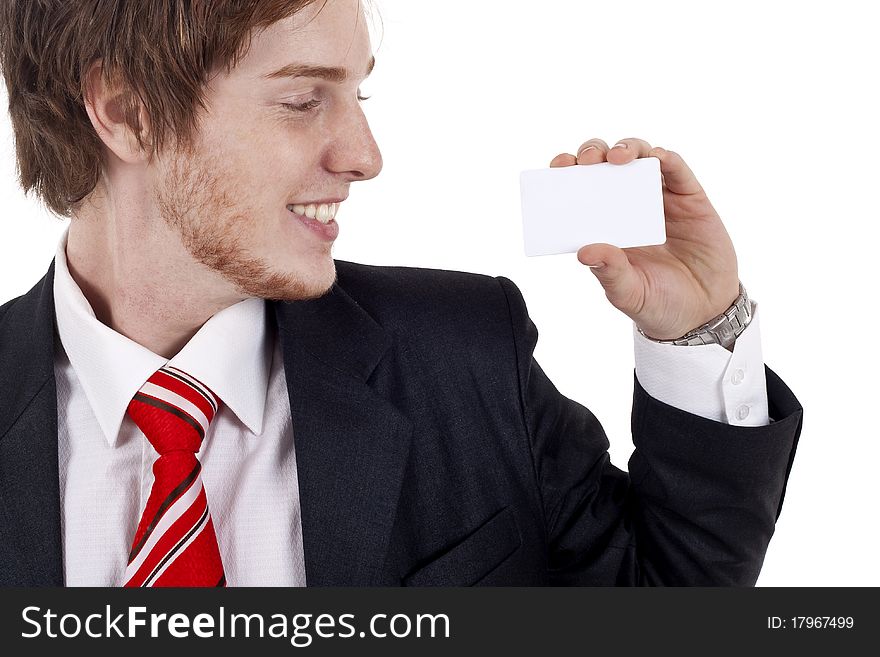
(723, 329)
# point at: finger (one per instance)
(677, 175)
(563, 160)
(611, 266)
(627, 150)
(592, 151)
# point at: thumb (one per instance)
(611, 266)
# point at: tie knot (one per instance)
(174, 410)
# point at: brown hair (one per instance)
(159, 53)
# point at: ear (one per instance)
(106, 108)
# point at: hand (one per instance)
(670, 289)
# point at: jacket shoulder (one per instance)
(19, 310)
(408, 299)
(6, 306)
(27, 334)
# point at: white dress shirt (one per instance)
(247, 456)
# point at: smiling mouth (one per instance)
(323, 212)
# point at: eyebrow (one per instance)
(331, 73)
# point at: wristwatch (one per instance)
(723, 330)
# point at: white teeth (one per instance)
(324, 212)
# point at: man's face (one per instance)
(254, 157)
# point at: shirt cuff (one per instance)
(708, 380)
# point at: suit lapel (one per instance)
(30, 509)
(351, 443)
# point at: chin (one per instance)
(295, 286)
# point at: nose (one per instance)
(353, 151)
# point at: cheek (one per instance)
(268, 161)
(246, 176)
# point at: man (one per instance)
(197, 394)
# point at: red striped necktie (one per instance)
(175, 543)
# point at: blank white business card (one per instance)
(566, 208)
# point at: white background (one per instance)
(774, 107)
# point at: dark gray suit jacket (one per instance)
(432, 450)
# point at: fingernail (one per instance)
(621, 145)
(597, 266)
(588, 148)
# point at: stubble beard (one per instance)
(211, 227)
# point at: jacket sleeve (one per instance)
(698, 506)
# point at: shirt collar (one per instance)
(231, 354)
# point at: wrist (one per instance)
(722, 329)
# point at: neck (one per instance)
(141, 281)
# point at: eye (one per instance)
(305, 107)
(313, 104)
(360, 95)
